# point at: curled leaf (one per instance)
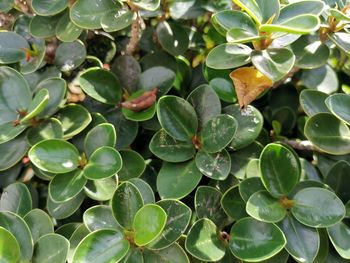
(249, 84)
(142, 102)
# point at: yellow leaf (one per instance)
(249, 84)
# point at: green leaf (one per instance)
(49, 129)
(178, 219)
(302, 24)
(49, 7)
(339, 235)
(177, 180)
(7, 240)
(44, 26)
(227, 20)
(313, 102)
(207, 205)
(70, 55)
(263, 207)
(74, 119)
(145, 190)
(280, 169)
(149, 223)
(328, 133)
(302, 242)
(65, 209)
(317, 207)
(126, 201)
(117, 20)
(102, 246)
(55, 156)
(6, 5)
(172, 37)
(133, 165)
(206, 103)
(337, 178)
(169, 149)
(338, 105)
(13, 151)
(101, 135)
(217, 133)
(11, 48)
(233, 204)
(255, 241)
(224, 89)
(249, 125)
(228, 56)
(66, 30)
(323, 79)
(101, 85)
(177, 117)
(39, 223)
(64, 187)
(249, 186)
(19, 229)
(173, 253)
(252, 8)
(298, 8)
(51, 248)
(57, 90)
(75, 238)
(203, 241)
(156, 77)
(37, 105)
(16, 198)
(103, 163)
(88, 14)
(216, 166)
(102, 189)
(341, 40)
(274, 63)
(99, 217)
(310, 52)
(323, 250)
(150, 5)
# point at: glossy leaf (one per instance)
(100, 217)
(280, 169)
(169, 149)
(233, 204)
(103, 163)
(203, 241)
(303, 242)
(341, 40)
(263, 207)
(177, 117)
(309, 207)
(133, 165)
(88, 14)
(249, 125)
(102, 189)
(13, 151)
(102, 135)
(339, 235)
(337, 178)
(70, 55)
(228, 56)
(16, 198)
(55, 156)
(11, 47)
(8, 240)
(274, 63)
(101, 85)
(44, 26)
(65, 209)
(178, 219)
(157, 77)
(39, 223)
(148, 224)
(126, 201)
(313, 101)
(64, 187)
(328, 133)
(116, 20)
(150, 5)
(50, 129)
(66, 30)
(338, 105)
(177, 180)
(224, 89)
(102, 246)
(255, 241)
(173, 253)
(216, 166)
(51, 248)
(49, 7)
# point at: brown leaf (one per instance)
(249, 84)
(142, 102)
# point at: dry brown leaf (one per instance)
(249, 84)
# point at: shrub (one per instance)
(174, 131)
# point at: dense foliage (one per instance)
(174, 131)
